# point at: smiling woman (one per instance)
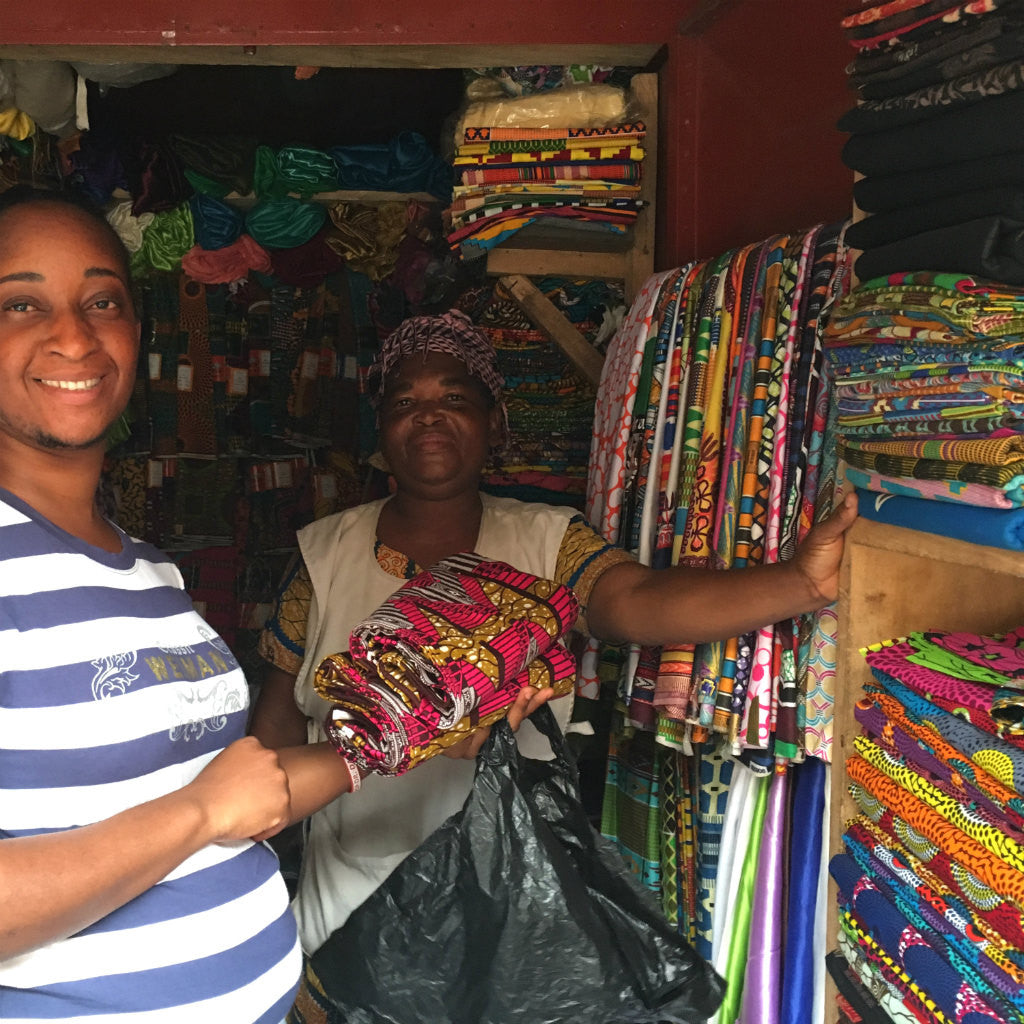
(155, 782)
(69, 342)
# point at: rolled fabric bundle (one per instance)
(443, 656)
(217, 224)
(284, 223)
(231, 263)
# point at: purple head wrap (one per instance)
(453, 334)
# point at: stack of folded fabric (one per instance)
(509, 176)
(931, 889)
(929, 403)
(445, 655)
(941, 93)
(550, 405)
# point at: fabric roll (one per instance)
(165, 240)
(884, 717)
(216, 223)
(631, 809)
(989, 43)
(306, 170)
(971, 822)
(762, 982)
(933, 100)
(899, 189)
(922, 22)
(805, 851)
(406, 163)
(978, 130)
(976, 736)
(989, 451)
(738, 939)
(891, 61)
(1003, 528)
(307, 264)
(612, 416)
(991, 247)
(939, 676)
(130, 229)
(861, 1001)
(934, 469)
(447, 653)
(906, 221)
(225, 159)
(972, 922)
(925, 965)
(284, 222)
(955, 491)
(990, 868)
(230, 263)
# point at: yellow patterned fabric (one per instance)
(16, 123)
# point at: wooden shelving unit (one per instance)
(896, 580)
(536, 251)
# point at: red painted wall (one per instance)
(748, 106)
(750, 109)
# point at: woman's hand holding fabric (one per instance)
(528, 700)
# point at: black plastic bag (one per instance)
(515, 911)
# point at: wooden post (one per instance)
(546, 316)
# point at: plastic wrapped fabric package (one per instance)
(515, 911)
(444, 655)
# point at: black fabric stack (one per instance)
(938, 135)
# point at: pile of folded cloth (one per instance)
(928, 373)
(931, 883)
(550, 404)
(582, 176)
(445, 655)
(935, 135)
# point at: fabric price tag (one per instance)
(310, 365)
(259, 362)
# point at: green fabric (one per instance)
(207, 186)
(306, 170)
(736, 961)
(170, 235)
(284, 223)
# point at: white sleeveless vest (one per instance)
(357, 840)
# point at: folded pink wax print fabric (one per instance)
(445, 655)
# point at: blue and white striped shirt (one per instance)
(113, 691)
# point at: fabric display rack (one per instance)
(708, 451)
(926, 352)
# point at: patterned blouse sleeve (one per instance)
(283, 639)
(582, 557)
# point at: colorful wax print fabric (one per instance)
(444, 655)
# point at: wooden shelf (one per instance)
(367, 196)
(894, 581)
(537, 251)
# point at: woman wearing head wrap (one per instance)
(438, 396)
